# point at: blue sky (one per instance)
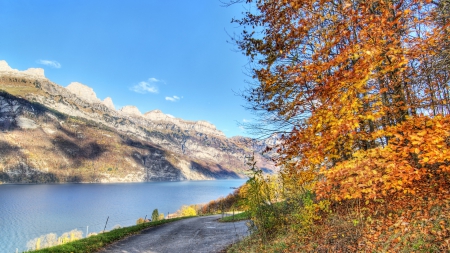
(167, 55)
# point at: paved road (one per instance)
(199, 234)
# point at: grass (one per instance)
(97, 242)
(21, 90)
(236, 217)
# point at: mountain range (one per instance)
(50, 134)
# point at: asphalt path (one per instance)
(199, 234)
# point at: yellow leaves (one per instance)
(422, 133)
(416, 139)
(353, 131)
(415, 145)
(347, 5)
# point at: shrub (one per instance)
(51, 239)
(140, 221)
(155, 215)
(188, 211)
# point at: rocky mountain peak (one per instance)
(79, 131)
(109, 103)
(37, 73)
(158, 115)
(83, 91)
(4, 66)
(205, 124)
(131, 110)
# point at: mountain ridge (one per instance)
(141, 147)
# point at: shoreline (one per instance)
(56, 183)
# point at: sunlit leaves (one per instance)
(364, 86)
(344, 74)
(418, 151)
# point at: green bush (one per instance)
(155, 215)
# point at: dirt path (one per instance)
(199, 234)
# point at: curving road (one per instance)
(199, 234)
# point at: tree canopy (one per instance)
(348, 77)
(361, 89)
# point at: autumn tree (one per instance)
(188, 211)
(341, 73)
(360, 91)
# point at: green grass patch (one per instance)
(236, 217)
(21, 90)
(96, 242)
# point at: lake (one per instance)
(28, 211)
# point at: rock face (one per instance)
(157, 115)
(131, 110)
(4, 67)
(57, 134)
(84, 92)
(37, 73)
(109, 103)
(184, 125)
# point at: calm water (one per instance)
(28, 211)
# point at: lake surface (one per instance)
(29, 211)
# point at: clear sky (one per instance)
(154, 54)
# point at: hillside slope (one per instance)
(56, 134)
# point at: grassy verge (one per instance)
(236, 217)
(96, 242)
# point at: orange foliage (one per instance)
(362, 91)
(417, 157)
(229, 203)
(353, 78)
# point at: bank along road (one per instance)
(199, 234)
